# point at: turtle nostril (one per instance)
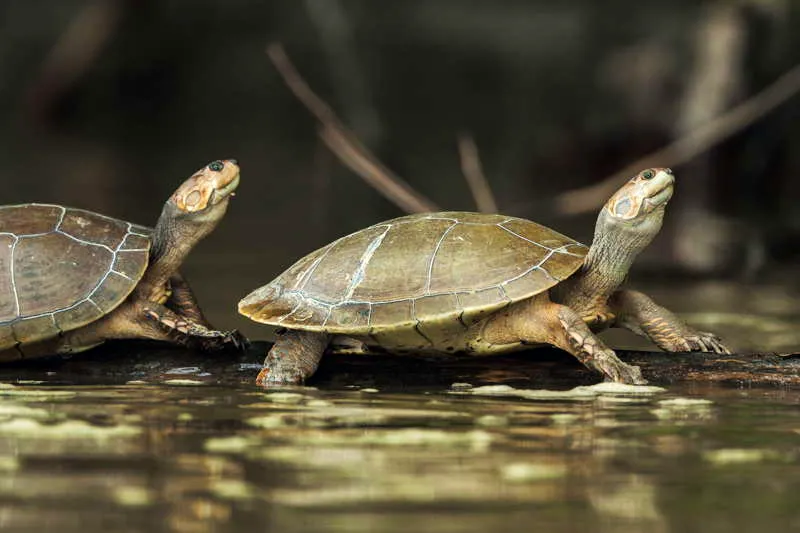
(668, 171)
(235, 162)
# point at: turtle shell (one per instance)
(62, 268)
(430, 267)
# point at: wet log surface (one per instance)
(122, 362)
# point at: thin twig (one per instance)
(589, 198)
(345, 145)
(473, 172)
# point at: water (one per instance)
(192, 457)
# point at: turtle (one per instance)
(475, 284)
(71, 279)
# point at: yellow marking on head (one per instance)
(642, 193)
(208, 186)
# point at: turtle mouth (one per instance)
(226, 190)
(660, 198)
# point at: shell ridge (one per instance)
(105, 277)
(503, 290)
(433, 256)
(358, 276)
(133, 232)
(515, 234)
(531, 269)
(563, 249)
(287, 315)
(93, 214)
(60, 219)
(301, 282)
(13, 278)
(327, 316)
(27, 235)
(417, 321)
(76, 239)
(55, 324)
(121, 274)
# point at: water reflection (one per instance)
(200, 457)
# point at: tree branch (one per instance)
(345, 145)
(715, 131)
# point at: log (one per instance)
(122, 362)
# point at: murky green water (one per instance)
(176, 453)
(151, 440)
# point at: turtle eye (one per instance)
(216, 166)
(648, 174)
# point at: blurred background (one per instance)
(108, 105)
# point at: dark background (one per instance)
(109, 105)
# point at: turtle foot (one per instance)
(700, 341)
(190, 333)
(608, 363)
(223, 342)
(272, 376)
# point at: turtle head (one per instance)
(627, 224)
(645, 193)
(638, 205)
(206, 193)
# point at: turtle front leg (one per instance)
(574, 336)
(639, 313)
(540, 321)
(184, 302)
(293, 358)
(184, 330)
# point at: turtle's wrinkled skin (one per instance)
(71, 279)
(472, 283)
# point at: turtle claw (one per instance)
(275, 373)
(608, 363)
(225, 341)
(274, 377)
(702, 341)
(593, 353)
(236, 340)
(191, 333)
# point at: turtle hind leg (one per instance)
(293, 358)
(541, 321)
(635, 311)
